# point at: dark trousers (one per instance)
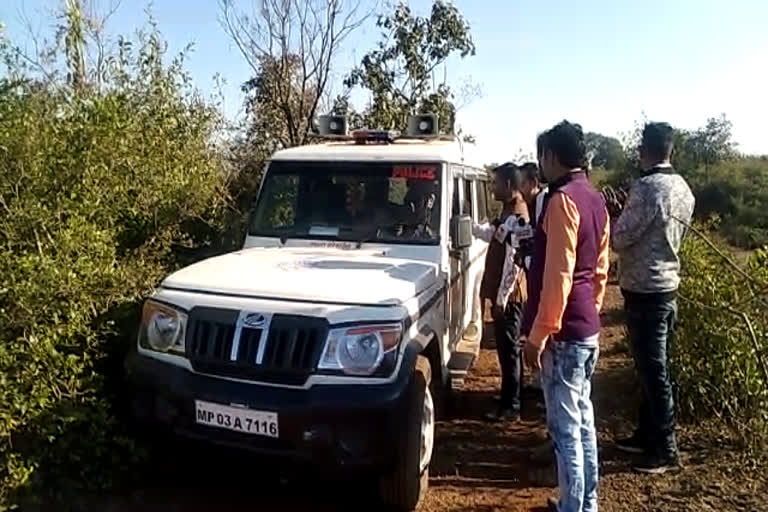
(650, 322)
(507, 330)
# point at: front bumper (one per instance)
(339, 426)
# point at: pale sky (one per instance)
(601, 63)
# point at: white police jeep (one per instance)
(333, 335)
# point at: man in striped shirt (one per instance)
(503, 284)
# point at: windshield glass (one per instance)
(350, 201)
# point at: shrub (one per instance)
(99, 186)
(720, 354)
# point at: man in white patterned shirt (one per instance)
(647, 237)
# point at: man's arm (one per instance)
(637, 217)
(561, 224)
(603, 264)
(483, 231)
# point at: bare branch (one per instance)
(237, 28)
(720, 253)
(37, 60)
(292, 45)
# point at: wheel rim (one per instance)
(427, 431)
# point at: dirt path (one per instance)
(477, 466)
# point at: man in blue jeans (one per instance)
(561, 323)
(647, 237)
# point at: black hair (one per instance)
(510, 173)
(658, 140)
(530, 171)
(541, 143)
(566, 141)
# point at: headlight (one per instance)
(362, 350)
(162, 328)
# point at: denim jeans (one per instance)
(507, 331)
(566, 373)
(650, 322)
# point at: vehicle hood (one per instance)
(340, 276)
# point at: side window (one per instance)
(467, 205)
(489, 201)
(494, 207)
(455, 204)
(482, 201)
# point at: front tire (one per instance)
(404, 488)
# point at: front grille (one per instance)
(288, 354)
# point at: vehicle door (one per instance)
(476, 189)
(458, 261)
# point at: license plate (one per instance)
(238, 419)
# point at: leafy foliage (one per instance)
(736, 191)
(705, 147)
(720, 354)
(607, 152)
(100, 187)
(400, 72)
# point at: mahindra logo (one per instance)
(254, 320)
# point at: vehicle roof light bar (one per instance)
(374, 136)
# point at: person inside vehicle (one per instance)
(503, 284)
(420, 201)
(370, 209)
(327, 200)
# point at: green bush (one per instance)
(720, 354)
(737, 191)
(99, 188)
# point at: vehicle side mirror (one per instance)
(461, 232)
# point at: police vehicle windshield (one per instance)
(350, 201)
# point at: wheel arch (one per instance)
(433, 352)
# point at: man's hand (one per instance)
(614, 200)
(532, 353)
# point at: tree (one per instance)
(707, 146)
(80, 49)
(400, 72)
(290, 45)
(607, 152)
(279, 110)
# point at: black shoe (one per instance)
(503, 414)
(634, 444)
(655, 465)
(532, 390)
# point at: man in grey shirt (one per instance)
(647, 237)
